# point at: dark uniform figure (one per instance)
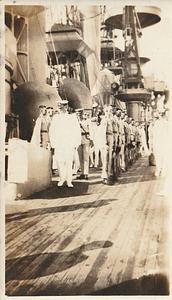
(49, 119)
(127, 141)
(115, 144)
(86, 141)
(133, 142)
(40, 134)
(122, 141)
(44, 128)
(108, 177)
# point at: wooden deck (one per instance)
(92, 240)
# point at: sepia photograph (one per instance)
(85, 166)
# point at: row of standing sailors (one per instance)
(123, 140)
(110, 140)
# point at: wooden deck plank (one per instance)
(66, 251)
(123, 269)
(55, 237)
(141, 255)
(83, 241)
(117, 261)
(39, 203)
(152, 263)
(79, 236)
(97, 220)
(45, 219)
(75, 271)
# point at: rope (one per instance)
(61, 84)
(46, 48)
(54, 50)
(92, 17)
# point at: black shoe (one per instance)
(82, 176)
(110, 182)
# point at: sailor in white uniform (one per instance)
(65, 137)
(99, 140)
(159, 143)
(144, 148)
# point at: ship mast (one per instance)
(131, 64)
(131, 22)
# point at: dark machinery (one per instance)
(131, 22)
(76, 93)
(28, 97)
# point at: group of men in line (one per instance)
(102, 137)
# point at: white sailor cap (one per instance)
(78, 109)
(63, 102)
(130, 119)
(94, 105)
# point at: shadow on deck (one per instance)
(57, 209)
(25, 268)
(135, 174)
(153, 284)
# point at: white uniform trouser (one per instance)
(122, 156)
(98, 148)
(64, 157)
(160, 137)
(99, 143)
(91, 154)
(107, 157)
(76, 161)
(83, 151)
(104, 161)
(159, 159)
